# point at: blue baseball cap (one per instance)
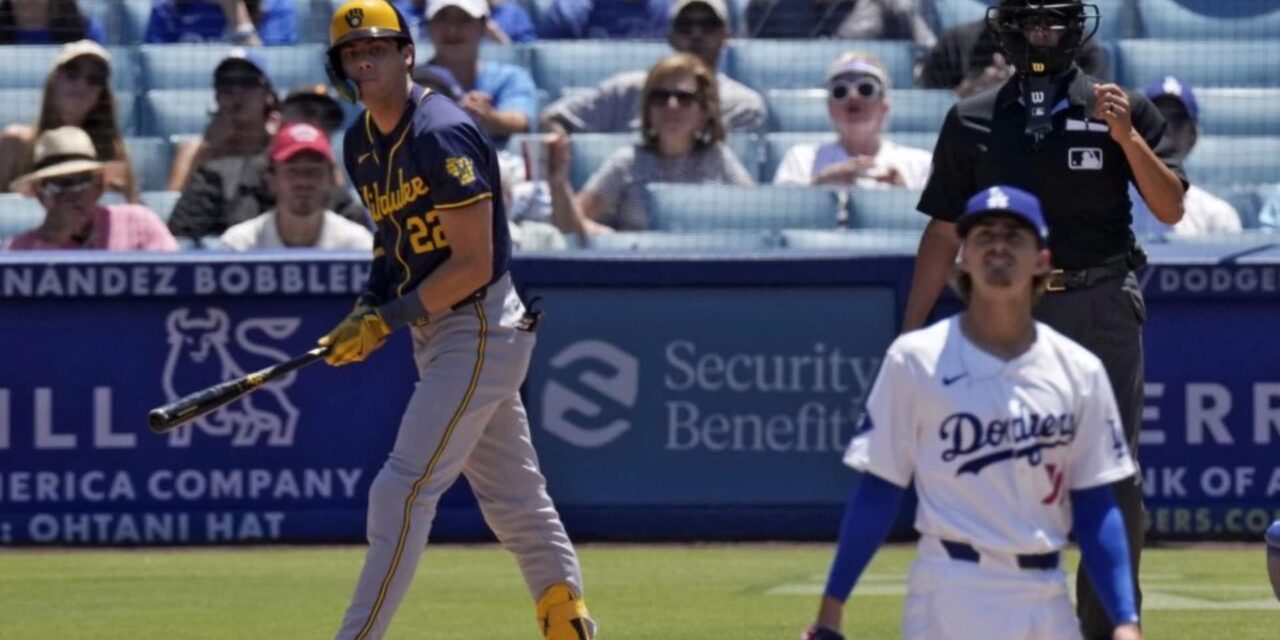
(251, 57)
(1005, 201)
(1173, 87)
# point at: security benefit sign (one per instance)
(1210, 439)
(702, 396)
(292, 461)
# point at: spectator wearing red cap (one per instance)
(300, 173)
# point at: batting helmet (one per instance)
(356, 20)
(1076, 21)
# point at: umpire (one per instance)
(1077, 143)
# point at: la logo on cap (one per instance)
(1171, 86)
(997, 199)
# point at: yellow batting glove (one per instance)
(358, 335)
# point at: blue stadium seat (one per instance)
(182, 66)
(802, 64)
(558, 64)
(859, 241)
(1207, 63)
(776, 145)
(590, 150)
(509, 53)
(18, 214)
(169, 112)
(161, 202)
(110, 15)
(150, 158)
(806, 109)
(950, 13)
(26, 66)
(1200, 19)
(1239, 112)
(22, 106)
(1235, 160)
(891, 209)
(712, 207)
(135, 14)
(666, 241)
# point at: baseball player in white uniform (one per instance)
(1011, 434)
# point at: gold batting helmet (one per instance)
(356, 20)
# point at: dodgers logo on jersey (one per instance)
(982, 444)
(202, 353)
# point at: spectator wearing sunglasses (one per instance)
(244, 116)
(46, 22)
(77, 92)
(68, 179)
(682, 140)
(697, 27)
(858, 104)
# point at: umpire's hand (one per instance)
(1111, 104)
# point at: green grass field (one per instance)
(475, 593)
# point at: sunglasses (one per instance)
(866, 89)
(705, 25)
(228, 83)
(662, 97)
(94, 77)
(52, 187)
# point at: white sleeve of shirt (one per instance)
(1206, 213)
(886, 441)
(915, 165)
(796, 167)
(1099, 454)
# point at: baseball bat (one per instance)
(177, 413)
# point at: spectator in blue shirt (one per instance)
(604, 19)
(500, 97)
(243, 22)
(49, 22)
(510, 23)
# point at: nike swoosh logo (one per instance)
(948, 381)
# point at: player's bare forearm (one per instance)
(1159, 185)
(937, 252)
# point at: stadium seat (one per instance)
(590, 150)
(806, 109)
(1239, 112)
(1201, 63)
(22, 106)
(891, 209)
(161, 202)
(713, 207)
(558, 64)
(1200, 19)
(666, 241)
(509, 53)
(27, 65)
(950, 13)
(110, 15)
(1235, 160)
(150, 157)
(802, 64)
(134, 17)
(18, 214)
(169, 112)
(183, 66)
(860, 241)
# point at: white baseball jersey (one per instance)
(994, 445)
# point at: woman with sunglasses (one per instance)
(857, 103)
(77, 92)
(46, 22)
(682, 141)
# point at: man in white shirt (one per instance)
(300, 171)
(1205, 212)
(858, 104)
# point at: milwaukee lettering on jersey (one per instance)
(1016, 437)
(382, 205)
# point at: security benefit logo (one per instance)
(206, 348)
(592, 387)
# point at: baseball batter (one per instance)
(429, 176)
(1011, 434)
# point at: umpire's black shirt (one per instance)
(1079, 173)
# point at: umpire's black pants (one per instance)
(1107, 319)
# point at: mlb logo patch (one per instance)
(1085, 159)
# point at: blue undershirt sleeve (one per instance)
(871, 509)
(1100, 532)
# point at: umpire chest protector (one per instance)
(1079, 173)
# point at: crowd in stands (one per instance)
(682, 115)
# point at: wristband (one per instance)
(407, 309)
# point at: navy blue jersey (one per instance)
(435, 159)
